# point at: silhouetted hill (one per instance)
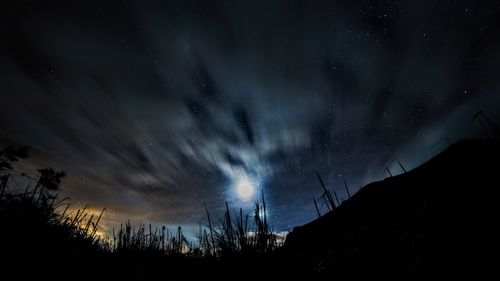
(437, 218)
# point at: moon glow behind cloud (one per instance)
(245, 188)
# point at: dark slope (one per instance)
(439, 217)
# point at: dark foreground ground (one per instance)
(439, 219)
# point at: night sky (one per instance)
(154, 108)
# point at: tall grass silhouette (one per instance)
(42, 222)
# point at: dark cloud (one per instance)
(244, 124)
(154, 108)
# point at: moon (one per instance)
(245, 188)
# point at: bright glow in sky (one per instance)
(245, 188)
(164, 113)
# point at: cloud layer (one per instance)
(154, 108)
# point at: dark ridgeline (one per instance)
(436, 219)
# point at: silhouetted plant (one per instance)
(233, 237)
(11, 154)
(50, 179)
